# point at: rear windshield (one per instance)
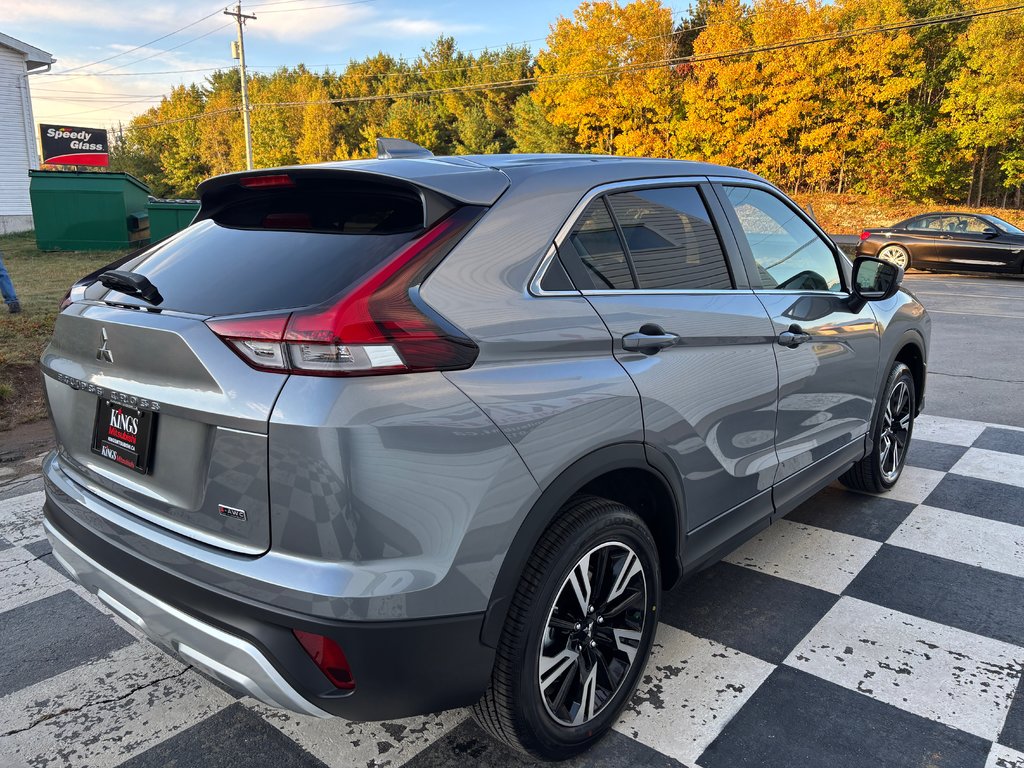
(271, 250)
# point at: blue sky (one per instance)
(286, 32)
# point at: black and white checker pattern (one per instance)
(859, 631)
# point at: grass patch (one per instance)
(41, 280)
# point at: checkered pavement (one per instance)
(859, 631)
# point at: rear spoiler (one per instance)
(456, 178)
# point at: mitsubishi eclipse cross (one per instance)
(378, 438)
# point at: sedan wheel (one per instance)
(896, 254)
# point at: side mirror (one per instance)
(990, 232)
(876, 279)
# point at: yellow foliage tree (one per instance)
(605, 75)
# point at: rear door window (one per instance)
(671, 240)
(267, 250)
(600, 249)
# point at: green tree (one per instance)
(532, 132)
(985, 101)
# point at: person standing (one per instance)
(7, 288)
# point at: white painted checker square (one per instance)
(1004, 757)
(1007, 468)
(24, 579)
(914, 486)
(106, 678)
(342, 744)
(965, 538)
(690, 690)
(954, 677)
(21, 518)
(806, 554)
(111, 730)
(940, 429)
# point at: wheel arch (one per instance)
(621, 473)
(911, 354)
(909, 349)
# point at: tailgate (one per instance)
(207, 412)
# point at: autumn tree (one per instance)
(605, 75)
(222, 141)
(985, 101)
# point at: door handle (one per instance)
(794, 337)
(650, 339)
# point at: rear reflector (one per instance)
(377, 326)
(267, 180)
(329, 657)
(864, 236)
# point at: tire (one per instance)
(536, 715)
(880, 470)
(896, 254)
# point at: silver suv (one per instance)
(379, 438)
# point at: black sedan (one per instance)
(948, 242)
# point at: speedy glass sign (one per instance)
(64, 145)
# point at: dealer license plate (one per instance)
(124, 435)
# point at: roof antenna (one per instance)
(390, 149)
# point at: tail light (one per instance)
(266, 180)
(864, 236)
(377, 326)
(329, 657)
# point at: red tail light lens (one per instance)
(329, 657)
(864, 236)
(378, 326)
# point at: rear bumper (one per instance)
(401, 668)
(234, 661)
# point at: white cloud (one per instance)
(332, 29)
(298, 26)
(106, 14)
(405, 27)
(101, 102)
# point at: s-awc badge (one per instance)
(235, 512)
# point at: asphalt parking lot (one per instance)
(860, 631)
(977, 360)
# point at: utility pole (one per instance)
(239, 53)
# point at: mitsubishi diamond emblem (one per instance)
(104, 353)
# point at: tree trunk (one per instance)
(970, 188)
(1016, 198)
(981, 175)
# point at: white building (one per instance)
(17, 130)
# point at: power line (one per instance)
(144, 45)
(110, 71)
(70, 95)
(640, 66)
(316, 7)
(100, 109)
(673, 61)
(162, 51)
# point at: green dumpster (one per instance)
(88, 211)
(168, 217)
